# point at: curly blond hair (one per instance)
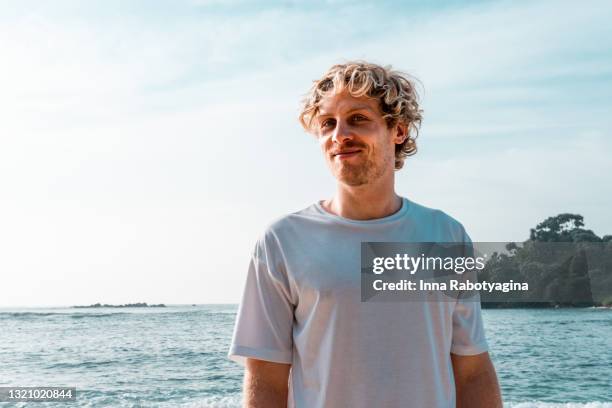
(395, 91)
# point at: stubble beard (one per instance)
(361, 173)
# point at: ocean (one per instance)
(176, 356)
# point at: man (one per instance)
(302, 332)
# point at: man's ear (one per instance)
(401, 133)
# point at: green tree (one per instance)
(563, 228)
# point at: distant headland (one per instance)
(125, 305)
(564, 264)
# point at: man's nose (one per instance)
(341, 133)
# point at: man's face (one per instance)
(358, 146)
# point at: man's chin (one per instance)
(352, 179)
(350, 174)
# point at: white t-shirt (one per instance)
(302, 306)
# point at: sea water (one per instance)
(176, 356)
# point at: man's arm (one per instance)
(476, 382)
(266, 384)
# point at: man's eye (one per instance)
(357, 118)
(327, 123)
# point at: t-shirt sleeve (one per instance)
(468, 329)
(264, 322)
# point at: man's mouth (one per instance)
(345, 154)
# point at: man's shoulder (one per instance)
(427, 222)
(294, 222)
(430, 214)
(436, 220)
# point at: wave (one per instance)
(230, 401)
(9, 315)
(540, 404)
(235, 401)
(92, 398)
(36, 315)
(82, 364)
(94, 315)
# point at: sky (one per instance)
(146, 145)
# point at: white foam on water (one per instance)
(539, 404)
(231, 401)
(235, 401)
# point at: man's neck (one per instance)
(364, 202)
